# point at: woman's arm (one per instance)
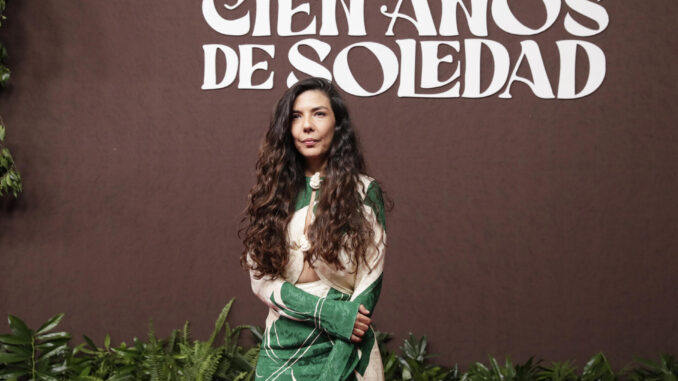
(335, 317)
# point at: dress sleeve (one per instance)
(345, 358)
(336, 317)
(368, 283)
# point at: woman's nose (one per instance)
(308, 124)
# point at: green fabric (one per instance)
(316, 348)
(301, 348)
(310, 339)
(375, 199)
(333, 315)
(304, 196)
(343, 358)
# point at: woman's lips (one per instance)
(309, 142)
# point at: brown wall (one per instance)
(522, 226)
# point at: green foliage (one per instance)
(598, 369)
(41, 354)
(10, 179)
(46, 356)
(664, 370)
(558, 371)
(414, 364)
(2, 11)
(4, 70)
(5, 73)
(507, 371)
(38, 354)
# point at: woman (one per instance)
(314, 243)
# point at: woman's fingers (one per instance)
(361, 326)
(363, 319)
(359, 330)
(362, 323)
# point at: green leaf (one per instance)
(51, 344)
(51, 323)
(7, 358)
(598, 369)
(44, 376)
(2, 133)
(10, 373)
(12, 339)
(90, 342)
(19, 328)
(220, 321)
(54, 336)
(85, 371)
(20, 350)
(55, 351)
(257, 332)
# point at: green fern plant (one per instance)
(237, 363)
(201, 360)
(158, 360)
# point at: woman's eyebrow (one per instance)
(314, 108)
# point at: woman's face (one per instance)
(312, 125)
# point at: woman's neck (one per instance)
(313, 166)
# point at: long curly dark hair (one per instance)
(339, 221)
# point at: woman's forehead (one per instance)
(310, 99)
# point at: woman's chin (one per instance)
(313, 154)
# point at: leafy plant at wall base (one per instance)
(664, 370)
(414, 366)
(598, 369)
(558, 371)
(388, 359)
(527, 371)
(495, 372)
(38, 354)
(104, 363)
(44, 355)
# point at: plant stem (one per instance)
(33, 357)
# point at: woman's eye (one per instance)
(321, 114)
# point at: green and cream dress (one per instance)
(309, 325)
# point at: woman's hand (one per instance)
(362, 322)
